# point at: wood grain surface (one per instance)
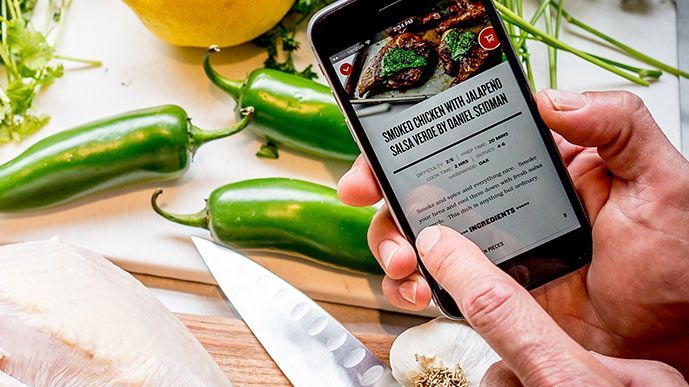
(232, 345)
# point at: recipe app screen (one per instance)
(452, 131)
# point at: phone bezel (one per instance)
(328, 36)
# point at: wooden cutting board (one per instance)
(232, 345)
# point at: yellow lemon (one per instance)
(201, 23)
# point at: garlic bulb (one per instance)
(441, 353)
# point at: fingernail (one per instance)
(428, 238)
(565, 100)
(408, 291)
(387, 250)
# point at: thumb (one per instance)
(505, 315)
(618, 124)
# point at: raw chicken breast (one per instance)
(70, 317)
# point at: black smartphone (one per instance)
(437, 101)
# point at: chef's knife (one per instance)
(308, 344)
(683, 59)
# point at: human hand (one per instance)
(534, 349)
(629, 372)
(633, 300)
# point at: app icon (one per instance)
(346, 69)
(488, 39)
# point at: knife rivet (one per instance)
(336, 342)
(299, 311)
(372, 375)
(318, 326)
(353, 358)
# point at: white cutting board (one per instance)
(140, 71)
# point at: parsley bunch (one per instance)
(29, 63)
(280, 41)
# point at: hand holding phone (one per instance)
(609, 142)
(437, 102)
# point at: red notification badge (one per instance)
(488, 39)
(346, 69)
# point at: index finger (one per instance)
(505, 314)
(358, 187)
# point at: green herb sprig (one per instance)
(30, 64)
(554, 14)
(280, 42)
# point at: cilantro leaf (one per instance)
(269, 150)
(21, 93)
(281, 42)
(27, 57)
(30, 49)
(307, 7)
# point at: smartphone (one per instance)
(437, 101)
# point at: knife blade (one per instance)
(308, 344)
(683, 63)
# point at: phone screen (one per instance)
(452, 131)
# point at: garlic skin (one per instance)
(449, 343)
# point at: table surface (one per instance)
(141, 71)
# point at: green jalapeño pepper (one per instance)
(142, 146)
(290, 216)
(291, 111)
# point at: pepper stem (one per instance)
(199, 137)
(199, 219)
(232, 87)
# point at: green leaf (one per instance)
(265, 40)
(16, 128)
(268, 151)
(29, 68)
(21, 93)
(308, 73)
(307, 7)
(30, 49)
(280, 42)
(5, 112)
(290, 44)
(51, 73)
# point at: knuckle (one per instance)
(637, 110)
(488, 304)
(637, 113)
(631, 102)
(670, 372)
